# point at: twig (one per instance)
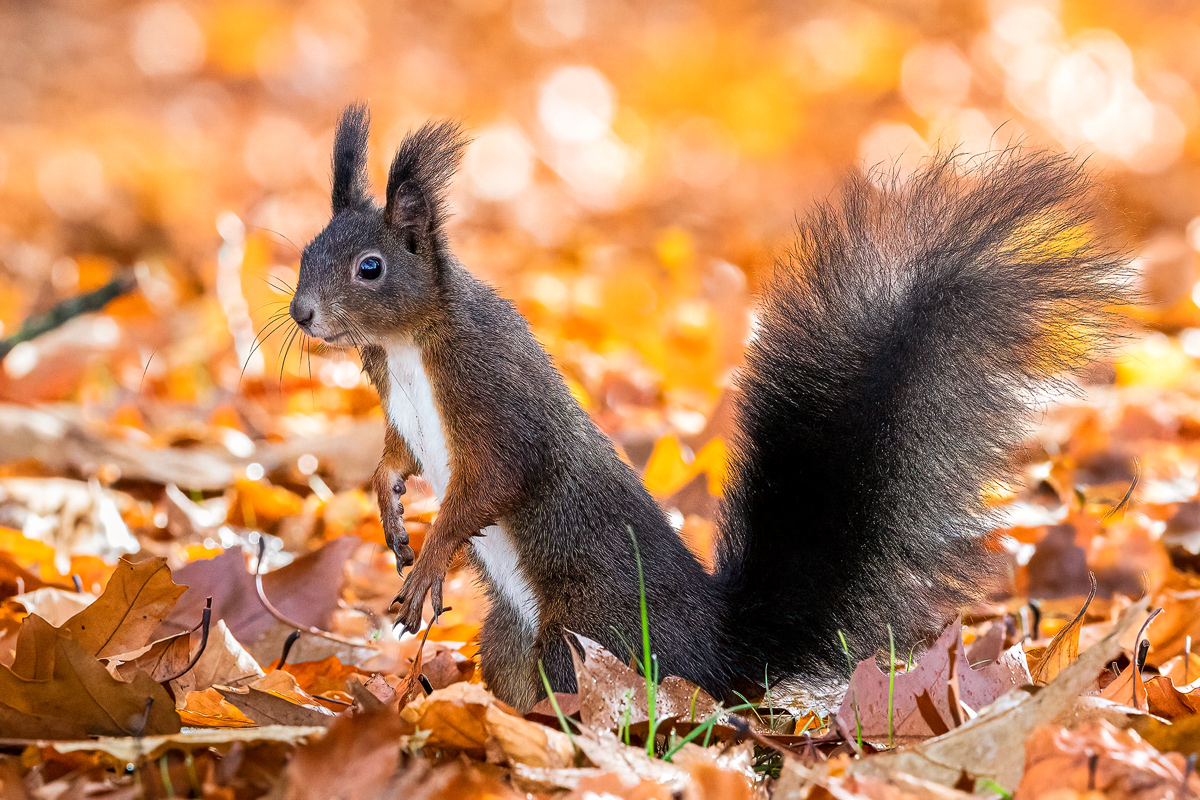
(67, 310)
(287, 647)
(1137, 477)
(205, 620)
(279, 615)
(743, 728)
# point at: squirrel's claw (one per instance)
(411, 599)
(396, 536)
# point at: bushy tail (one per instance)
(888, 383)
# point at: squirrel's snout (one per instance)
(303, 311)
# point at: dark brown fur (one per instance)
(872, 357)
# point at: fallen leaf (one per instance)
(224, 662)
(1098, 756)
(128, 749)
(54, 677)
(525, 742)
(1127, 688)
(599, 784)
(991, 745)
(162, 660)
(924, 701)
(358, 754)
(454, 717)
(444, 669)
(266, 708)
(1163, 699)
(133, 604)
(307, 590)
(208, 709)
(1064, 647)
(372, 693)
(55, 605)
(611, 693)
(321, 676)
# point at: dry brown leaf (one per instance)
(1180, 601)
(797, 782)
(991, 745)
(1064, 647)
(611, 693)
(925, 699)
(307, 590)
(267, 708)
(525, 742)
(607, 752)
(1163, 699)
(321, 676)
(127, 749)
(454, 717)
(1098, 756)
(162, 660)
(138, 597)
(444, 669)
(55, 605)
(357, 754)
(1183, 669)
(208, 709)
(1127, 688)
(53, 677)
(224, 662)
(606, 784)
(371, 693)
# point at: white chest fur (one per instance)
(414, 414)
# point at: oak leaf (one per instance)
(54, 677)
(136, 600)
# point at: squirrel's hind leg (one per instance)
(507, 656)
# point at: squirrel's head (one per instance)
(374, 273)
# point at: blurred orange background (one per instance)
(635, 169)
(635, 166)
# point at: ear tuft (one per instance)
(351, 189)
(420, 177)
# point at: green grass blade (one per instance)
(562, 718)
(705, 728)
(647, 671)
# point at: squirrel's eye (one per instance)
(370, 268)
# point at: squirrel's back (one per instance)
(888, 384)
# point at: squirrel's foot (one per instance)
(411, 598)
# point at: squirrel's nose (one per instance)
(303, 312)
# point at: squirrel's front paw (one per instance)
(396, 536)
(391, 514)
(411, 598)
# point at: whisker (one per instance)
(275, 324)
(287, 348)
(145, 369)
(269, 303)
(308, 340)
(280, 235)
(277, 283)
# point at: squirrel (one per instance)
(886, 386)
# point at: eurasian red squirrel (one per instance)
(886, 384)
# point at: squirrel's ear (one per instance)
(351, 188)
(420, 177)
